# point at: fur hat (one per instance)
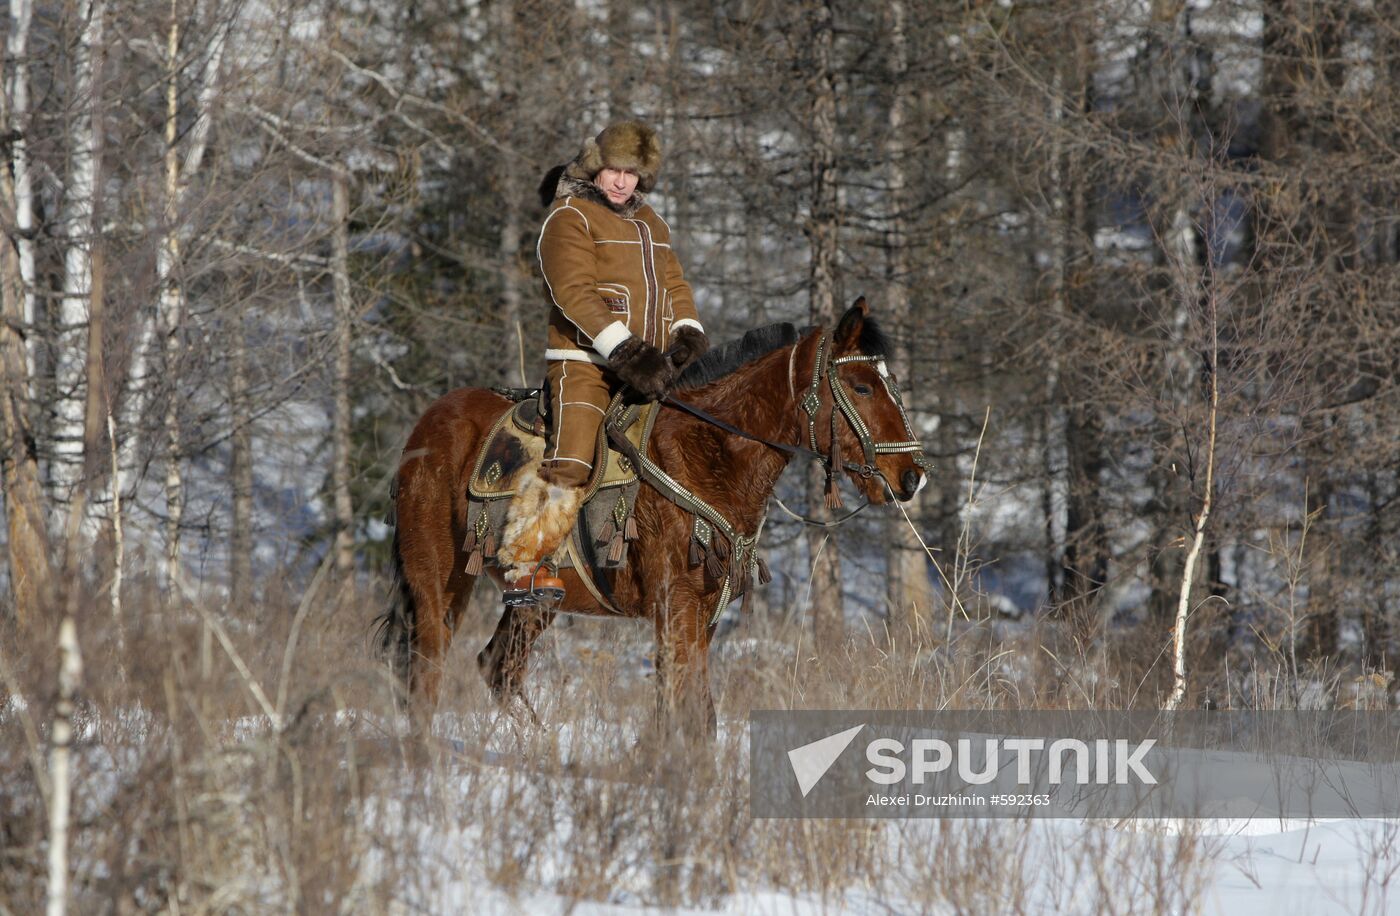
(625, 145)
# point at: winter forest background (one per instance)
(248, 241)
(1139, 260)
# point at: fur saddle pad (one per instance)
(515, 446)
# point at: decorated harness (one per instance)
(731, 555)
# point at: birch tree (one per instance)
(70, 672)
(17, 87)
(79, 233)
(181, 161)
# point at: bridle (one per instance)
(711, 530)
(825, 368)
(846, 407)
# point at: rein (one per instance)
(795, 450)
(713, 420)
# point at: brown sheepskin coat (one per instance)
(609, 274)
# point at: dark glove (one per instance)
(687, 345)
(643, 368)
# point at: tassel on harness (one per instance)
(480, 545)
(616, 548)
(714, 565)
(474, 563)
(833, 495)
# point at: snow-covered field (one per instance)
(1250, 868)
(1259, 866)
(187, 799)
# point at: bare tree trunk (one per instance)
(1179, 252)
(946, 493)
(617, 60)
(1085, 554)
(241, 473)
(1086, 535)
(172, 294)
(515, 194)
(512, 278)
(31, 580)
(822, 233)
(70, 673)
(909, 592)
(82, 526)
(85, 145)
(1376, 625)
(1183, 607)
(170, 291)
(1075, 421)
(21, 16)
(1053, 422)
(344, 317)
(118, 533)
(1323, 621)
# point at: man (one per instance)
(621, 314)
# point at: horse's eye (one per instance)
(863, 390)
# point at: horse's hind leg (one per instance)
(433, 572)
(506, 657)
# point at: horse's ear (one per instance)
(849, 327)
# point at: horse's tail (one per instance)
(394, 628)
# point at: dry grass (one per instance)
(190, 799)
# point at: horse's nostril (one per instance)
(910, 482)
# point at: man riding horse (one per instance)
(621, 314)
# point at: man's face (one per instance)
(618, 184)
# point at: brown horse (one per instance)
(829, 392)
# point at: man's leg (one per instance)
(546, 504)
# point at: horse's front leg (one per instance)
(684, 702)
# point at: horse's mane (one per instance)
(729, 356)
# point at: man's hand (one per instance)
(687, 345)
(643, 368)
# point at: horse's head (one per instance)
(870, 435)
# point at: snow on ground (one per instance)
(499, 794)
(1255, 868)
(1333, 867)
(1237, 866)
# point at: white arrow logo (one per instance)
(811, 761)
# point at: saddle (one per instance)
(605, 529)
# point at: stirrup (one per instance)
(537, 589)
